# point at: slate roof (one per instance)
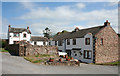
(19, 30)
(38, 38)
(78, 34)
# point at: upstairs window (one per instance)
(44, 43)
(55, 42)
(101, 41)
(16, 35)
(87, 41)
(35, 43)
(74, 41)
(59, 43)
(68, 41)
(24, 35)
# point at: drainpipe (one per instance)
(94, 41)
(65, 45)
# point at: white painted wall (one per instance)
(80, 43)
(12, 39)
(38, 42)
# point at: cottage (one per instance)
(92, 45)
(38, 40)
(21, 34)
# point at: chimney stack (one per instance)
(106, 23)
(9, 26)
(77, 29)
(28, 27)
(58, 33)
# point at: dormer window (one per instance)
(24, 35)
(87, 41)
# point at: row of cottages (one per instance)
(21, 34)
(92, 45)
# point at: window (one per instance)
(55, 42)
(44, 43)
(49, 43)
(59, 43)
(16, 34)
(74, 41)
(101, 41)
(87, 54)
(68, 41)
(24, 35)
(87, 41)
(35, 43)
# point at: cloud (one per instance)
(64, 17)
(80, 5)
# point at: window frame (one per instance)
(60, 43)
(35, 43)
(88, 53)
(101, 41)
(74, 41)
(55, 42)
(16, 35)
(24, 35)
(86, 41)
(68, 41)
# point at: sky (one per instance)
(57, 16)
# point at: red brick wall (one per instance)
(108, 52)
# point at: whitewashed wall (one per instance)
(38, 42)
(12, 39)
(80, 43)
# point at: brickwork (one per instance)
(108, 52)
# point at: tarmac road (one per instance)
(18, 65)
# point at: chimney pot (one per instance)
(106, 23)
(9, 25)
(28, 27)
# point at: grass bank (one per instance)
(3, 50)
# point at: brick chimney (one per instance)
(106, 23)
(9, 26)
(28, 27)
(58, 33)
(77, 29)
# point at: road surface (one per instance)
(18, 65)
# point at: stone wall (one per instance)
(13, 49)
(34, 50)
(108, 52)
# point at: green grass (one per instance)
(3, 50)
(43, 55)
(28, 59)
(117, 63)
(38, 61)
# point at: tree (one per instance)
(64, 31)
(47, 32)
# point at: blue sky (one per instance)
(57, 16)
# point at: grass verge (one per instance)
(117, 63)
(3, 50)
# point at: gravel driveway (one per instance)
(17, 65)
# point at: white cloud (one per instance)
(61, 17)
(80, 5)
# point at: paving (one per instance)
(18, 65)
